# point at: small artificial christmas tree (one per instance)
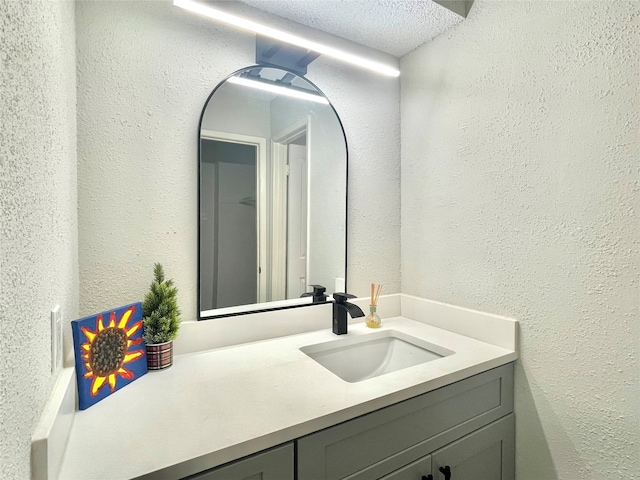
(161, 315)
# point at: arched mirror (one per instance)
(272, 193)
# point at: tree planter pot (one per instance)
(159, 355)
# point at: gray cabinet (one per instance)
(395, 442)
(486, 454)
(467, 426)
(274, 464)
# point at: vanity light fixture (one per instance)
(267, 87)
(263, 30)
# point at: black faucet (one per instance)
(340, 309)
(317, 294)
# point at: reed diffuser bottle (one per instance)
(373, 320)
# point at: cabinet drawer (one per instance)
(381, 442)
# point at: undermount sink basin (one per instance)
(361, 357)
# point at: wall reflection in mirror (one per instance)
(272, 193)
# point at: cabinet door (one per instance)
(275, 464)
(417, 470)
(486, 454)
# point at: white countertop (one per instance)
(215, 406)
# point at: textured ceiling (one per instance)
(392, 26)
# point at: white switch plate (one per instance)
(56, 339)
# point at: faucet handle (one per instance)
(341, 297)
(317, 294)
(318, 289)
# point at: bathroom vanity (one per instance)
(467, 427)
(269, 407)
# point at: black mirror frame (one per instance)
(346, 236)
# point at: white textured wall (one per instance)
(145, 70)
(520, 196)
(38, 219)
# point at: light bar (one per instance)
(267, 87)
(244, 24)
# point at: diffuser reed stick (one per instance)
(375, 294)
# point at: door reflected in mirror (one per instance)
(272, 193)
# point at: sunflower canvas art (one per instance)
(109, 352)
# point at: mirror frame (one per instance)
(277, 304)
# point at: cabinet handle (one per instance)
(427, 477)
(447, 472)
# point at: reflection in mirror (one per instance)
(272, 193)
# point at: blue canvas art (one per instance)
(109, 352)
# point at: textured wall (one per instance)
(38, 220)
(520, 196)
(145, 70)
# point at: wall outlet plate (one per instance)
(56, 339)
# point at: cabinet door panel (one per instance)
(275, 464)
(486, 454)
(414, 471)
